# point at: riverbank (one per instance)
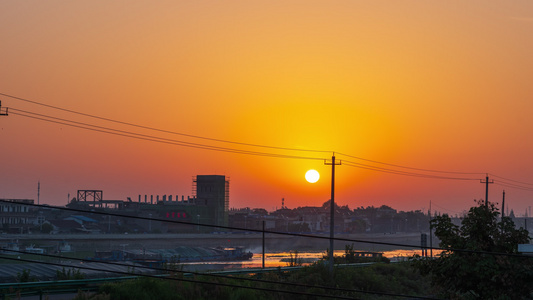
(251, 241)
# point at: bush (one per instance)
(25, 276)
(69, 274)
(379, 278)
(140, 289)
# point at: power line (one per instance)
(162, 130)
(291, 284)
(399, 172)
(267, 231)
(151, 138)
(108, 130)
(84, 267)
(506, 179)
(112, 131)
(514, 186)
(411, 168)
(506, 182)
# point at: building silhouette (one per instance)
(209, 205)
(213, 192)
(15, 217)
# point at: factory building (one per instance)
(213, 192)
(208, 205)
(16, 217)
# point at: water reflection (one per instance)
(282, 259)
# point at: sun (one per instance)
(312, 176)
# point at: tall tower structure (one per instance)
(213, 191)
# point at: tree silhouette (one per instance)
(476, 273)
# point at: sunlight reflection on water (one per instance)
(281, 259)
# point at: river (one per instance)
(282, 259)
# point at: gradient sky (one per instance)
(437, 85)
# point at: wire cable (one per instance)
(155, 139)
(514, 186)
(515, 181)
(290, 284)
(411, 168)
(151, 138)
(186, 280)
(201, 146)
(398, 172)
(161, 130)
(271, 232)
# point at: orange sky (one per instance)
(431, 85)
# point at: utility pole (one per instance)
(486, 182)
(430, 233)
(263, 265)
(332, 211)
(38, 191)
(1, 113)
(503, 204)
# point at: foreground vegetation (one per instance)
(482, 259)
(371, 281)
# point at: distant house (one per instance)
(15, 216)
